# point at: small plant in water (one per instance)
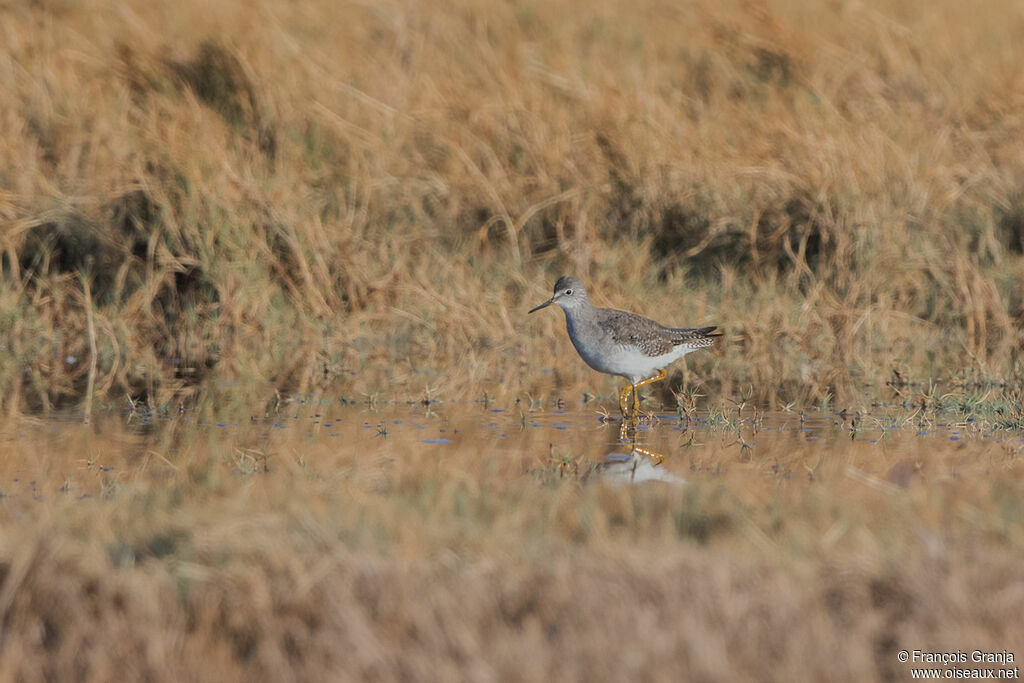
(686, 404)
(716, 418)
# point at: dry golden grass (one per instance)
(292, 194)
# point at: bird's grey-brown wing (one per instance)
(652, 338)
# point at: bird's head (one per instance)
(569, 293)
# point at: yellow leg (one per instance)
(636, 396)
(624, 431)
(622, 398)
(654, 455)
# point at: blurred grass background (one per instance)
(365, 198)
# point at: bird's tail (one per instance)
(707, 331)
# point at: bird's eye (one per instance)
(568, 292)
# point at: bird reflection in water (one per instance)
(639, 465)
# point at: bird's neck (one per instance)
(576, 314)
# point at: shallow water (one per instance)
(539, 528)
(66, 456)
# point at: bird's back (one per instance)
(649, 336)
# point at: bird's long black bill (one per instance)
(543, 305)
